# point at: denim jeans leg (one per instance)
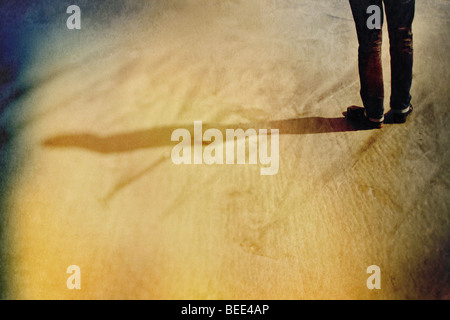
(400, 16)
(369, 59)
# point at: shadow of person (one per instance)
(161, 136)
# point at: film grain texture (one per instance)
(87, 180)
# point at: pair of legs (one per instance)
(400, 16)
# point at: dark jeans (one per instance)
(400, 15)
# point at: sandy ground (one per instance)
(91, 182)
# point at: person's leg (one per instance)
(400, 16)
(369, 59)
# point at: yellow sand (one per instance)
(96, 187)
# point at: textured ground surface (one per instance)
(88, 179)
